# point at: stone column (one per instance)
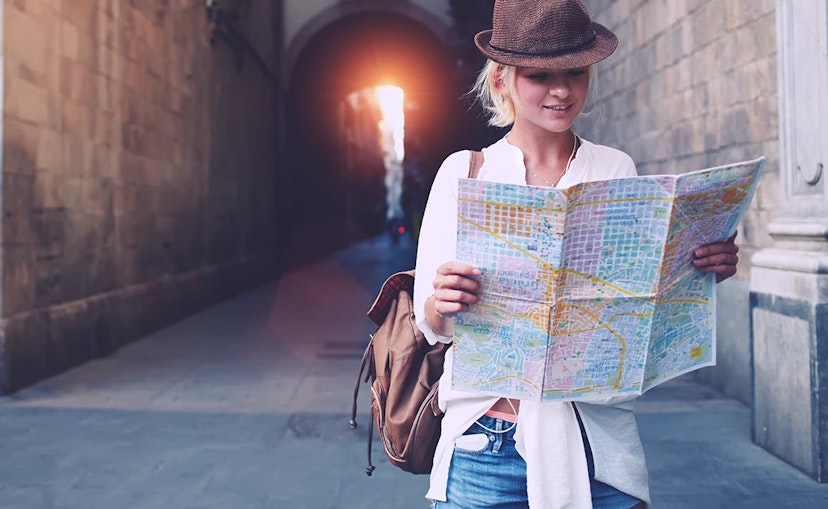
(3, 361)
(789, 281)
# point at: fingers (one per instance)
(449, 302)
(457, 276)
(715, 260)
(728, 247)
(722, 270)
(458, 268)
(455, 287)
(720, 258)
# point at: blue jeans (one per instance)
(491, 473)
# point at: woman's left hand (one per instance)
(719, 258)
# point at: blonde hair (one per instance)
(497, 100)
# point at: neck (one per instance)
(542, 146)
(546, 160)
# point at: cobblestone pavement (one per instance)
(246, 404)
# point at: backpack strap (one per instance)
(475, 162)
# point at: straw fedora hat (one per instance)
(553, 34)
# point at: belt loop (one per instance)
(498, 436)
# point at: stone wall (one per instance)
(138, 175)
(693, 85)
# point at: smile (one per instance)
(557, 108)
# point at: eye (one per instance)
(539, 76)
(576, 73)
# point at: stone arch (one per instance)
(309, 30)
(354, 46)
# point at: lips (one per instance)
(559, 107)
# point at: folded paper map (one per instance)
(590, 291)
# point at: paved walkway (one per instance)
(246, 406)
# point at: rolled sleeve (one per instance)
(438, 236)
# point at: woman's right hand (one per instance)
(456, 287)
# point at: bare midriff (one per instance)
(506, 406)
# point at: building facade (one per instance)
(138, 173)
(702, 83)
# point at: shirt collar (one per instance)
(507, 163)
(504, 163)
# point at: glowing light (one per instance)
(392, 131)
(390, 99)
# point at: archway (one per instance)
(355, 52)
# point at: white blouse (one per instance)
(548, 436)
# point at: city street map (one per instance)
(590, 291)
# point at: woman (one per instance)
(497, 452)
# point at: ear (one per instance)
(498, 81)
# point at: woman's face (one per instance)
(549, 99)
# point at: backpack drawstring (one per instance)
(370, 468)
(367, 367)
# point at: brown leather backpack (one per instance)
(404, 371)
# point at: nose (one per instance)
(559, 87)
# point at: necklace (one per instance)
(566, 168)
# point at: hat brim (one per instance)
(601, 47)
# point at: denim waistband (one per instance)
(500, 426)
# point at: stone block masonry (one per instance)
(693, 85)
(138, 176)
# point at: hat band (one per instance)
(562, 51)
